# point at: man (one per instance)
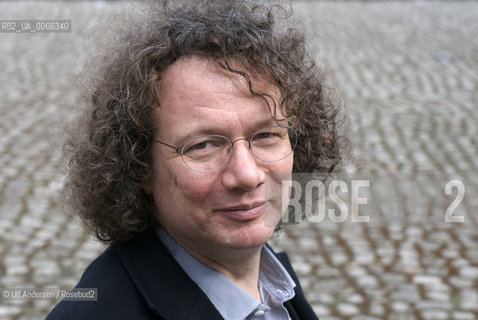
(195, 114)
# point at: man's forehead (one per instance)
(189, 71)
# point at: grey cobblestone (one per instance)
(408, 72)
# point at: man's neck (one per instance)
(241, 266)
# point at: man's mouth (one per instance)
(244, 212)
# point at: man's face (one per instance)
(226, 208)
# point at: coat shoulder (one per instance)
(116, 295)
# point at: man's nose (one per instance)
(243, 171)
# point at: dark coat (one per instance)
(141, 280)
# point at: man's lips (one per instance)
(244, 212)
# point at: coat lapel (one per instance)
(164, 285)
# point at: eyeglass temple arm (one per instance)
(177, 149)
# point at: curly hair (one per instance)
(110, 149)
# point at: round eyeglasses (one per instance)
(212, 152)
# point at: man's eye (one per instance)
(269, 138)
(204, 146)
(265, 135)
(200, 146)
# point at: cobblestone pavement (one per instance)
(409, 75)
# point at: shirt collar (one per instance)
(275, 282)
(274, 278)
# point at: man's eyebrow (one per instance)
(203, 130)
(269, 123)
(198, 132)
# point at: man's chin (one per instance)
(250, 239)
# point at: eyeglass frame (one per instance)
(180, 149)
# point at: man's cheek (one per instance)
(195, 190)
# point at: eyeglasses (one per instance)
(212, 152)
